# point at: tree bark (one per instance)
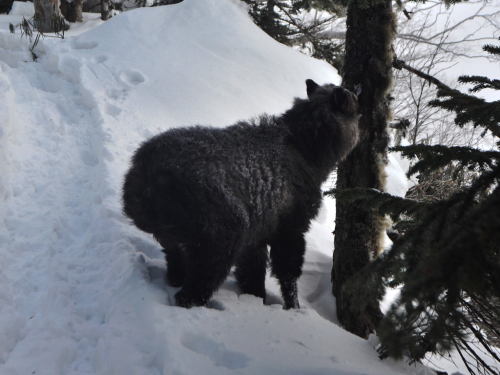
(48, 18)
(358, 234)
(104, 10)
(72, 11)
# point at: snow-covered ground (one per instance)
(81, 289)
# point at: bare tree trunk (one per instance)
(79, 10)
(48, 18)
(104, 10)
(358, 233)
(72, 11)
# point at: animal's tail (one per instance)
(137, 203)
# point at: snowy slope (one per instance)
(81, 290)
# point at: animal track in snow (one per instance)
(89, 158)
(82, 44)
(112, 110)
(100, 59)
(217, 352)
(132, 77)
(116, 94)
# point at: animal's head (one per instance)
(340, 99)
(326, 124)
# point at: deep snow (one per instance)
(81, 289)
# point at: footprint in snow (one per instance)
(132, 77)
(112, 110)
(89, 158)
(84, 44)
(216, 352)
(101, 59)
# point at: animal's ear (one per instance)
(311, 87)
(344, 100)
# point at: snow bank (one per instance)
(81, 290)
(21, 8)
(397, 183)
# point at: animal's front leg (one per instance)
(287, 258)
(174, 256)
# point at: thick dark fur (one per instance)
(214, 198)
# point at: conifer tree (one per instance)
(367, 71)
(446, 259)
(285, 21)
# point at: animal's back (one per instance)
(196, 175)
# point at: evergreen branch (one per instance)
(375, 200)
(477, 333)
(494, 50)
(480, 83)
(477, 358)
(439, 156)
(452, 250)
(448, 253)
(469, 109)
(464, 360)
(486, 312)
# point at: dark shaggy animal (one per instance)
(214, 198)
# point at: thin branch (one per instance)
(399, 64)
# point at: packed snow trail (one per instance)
(81, 289)
(63, 263)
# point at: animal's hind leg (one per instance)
(207, 266)
(251, 271)
(287, 258)
(176, 265)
